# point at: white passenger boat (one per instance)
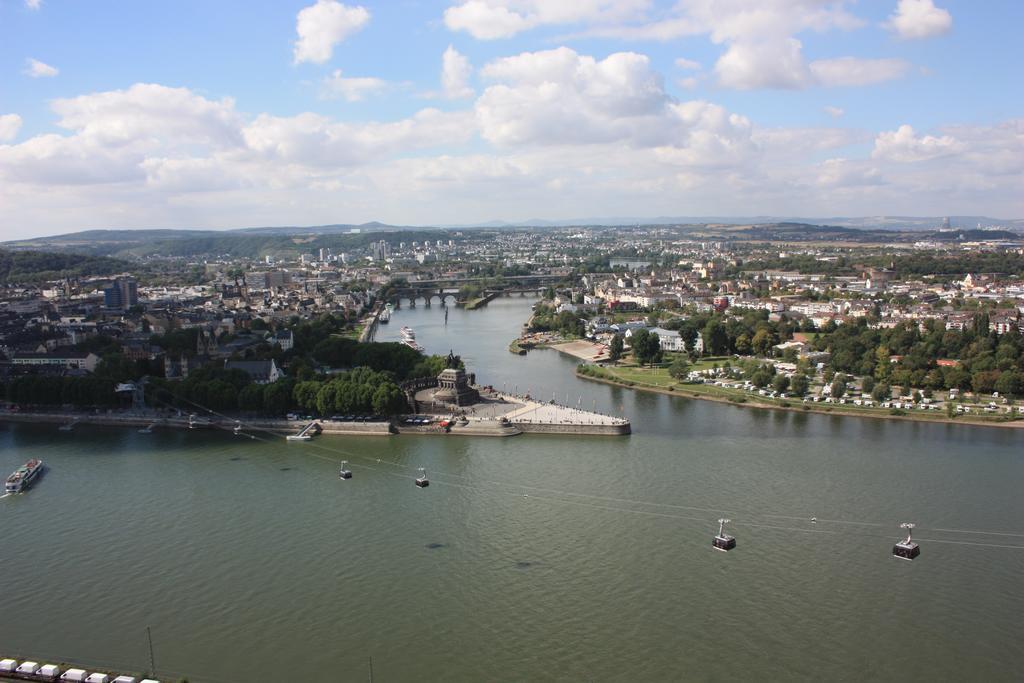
(23, 477)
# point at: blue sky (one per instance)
(226, 114)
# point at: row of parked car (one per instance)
(34, 671)
(337, 418)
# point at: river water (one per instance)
(528, 558)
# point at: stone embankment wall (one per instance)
(474, 428)
(115, 420)
(352, 428)
(596, 430)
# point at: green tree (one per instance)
(277, 397)
(780, 383)
(250, 398)
(1009, 384)
(984, 382)
(883, 367)
(867, 384)
(881, 392)
(615, 348)
(716, 341)
(646, 346)
(743, 346)
(117, 368)
(325, 397)
(305, 394)
(221, 395)
(799, 384)
(388, 399)
(762, 342)
(679, 367)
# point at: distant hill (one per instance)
(257, 242)
(39, 266)
(252, 243)
(862, 222)
(972, 235)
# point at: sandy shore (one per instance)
(584, 350)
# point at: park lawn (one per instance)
(352, 333)
(657, 377)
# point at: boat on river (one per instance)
(409, 339)
(23, 477)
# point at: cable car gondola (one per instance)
(422, 480)
(906, 549)
(723, 541)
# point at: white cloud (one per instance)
(761, 48)
(113, 132)
(10, 124)
(33, 4)
(455, 73)
(493, 19)
(919, 19)
(324, 25)
(554, 133)
(845, 173)
(150, 114)
(557, 96)
(807, 141)
(688, 83)
(903, 145)
(485, 21)
(314, 140)
(854, 71)
(190, 175)
(780, 64)
(352, 89)
(737, 20)
(748, 65)
(688, 64)
(834, 112)
(37, 69)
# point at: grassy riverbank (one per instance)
(658, 380)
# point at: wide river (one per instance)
(528, 558)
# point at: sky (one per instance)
(232, 114)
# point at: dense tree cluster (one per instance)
(363, 378)
(40, 266)
(359, 391)
(926, 358)
(45, 390)
(751, 333)
(545, 319)
(959, 264)
(908, 357)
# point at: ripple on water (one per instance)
(237, 569)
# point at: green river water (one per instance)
(528, 558)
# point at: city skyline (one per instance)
(454, 113)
